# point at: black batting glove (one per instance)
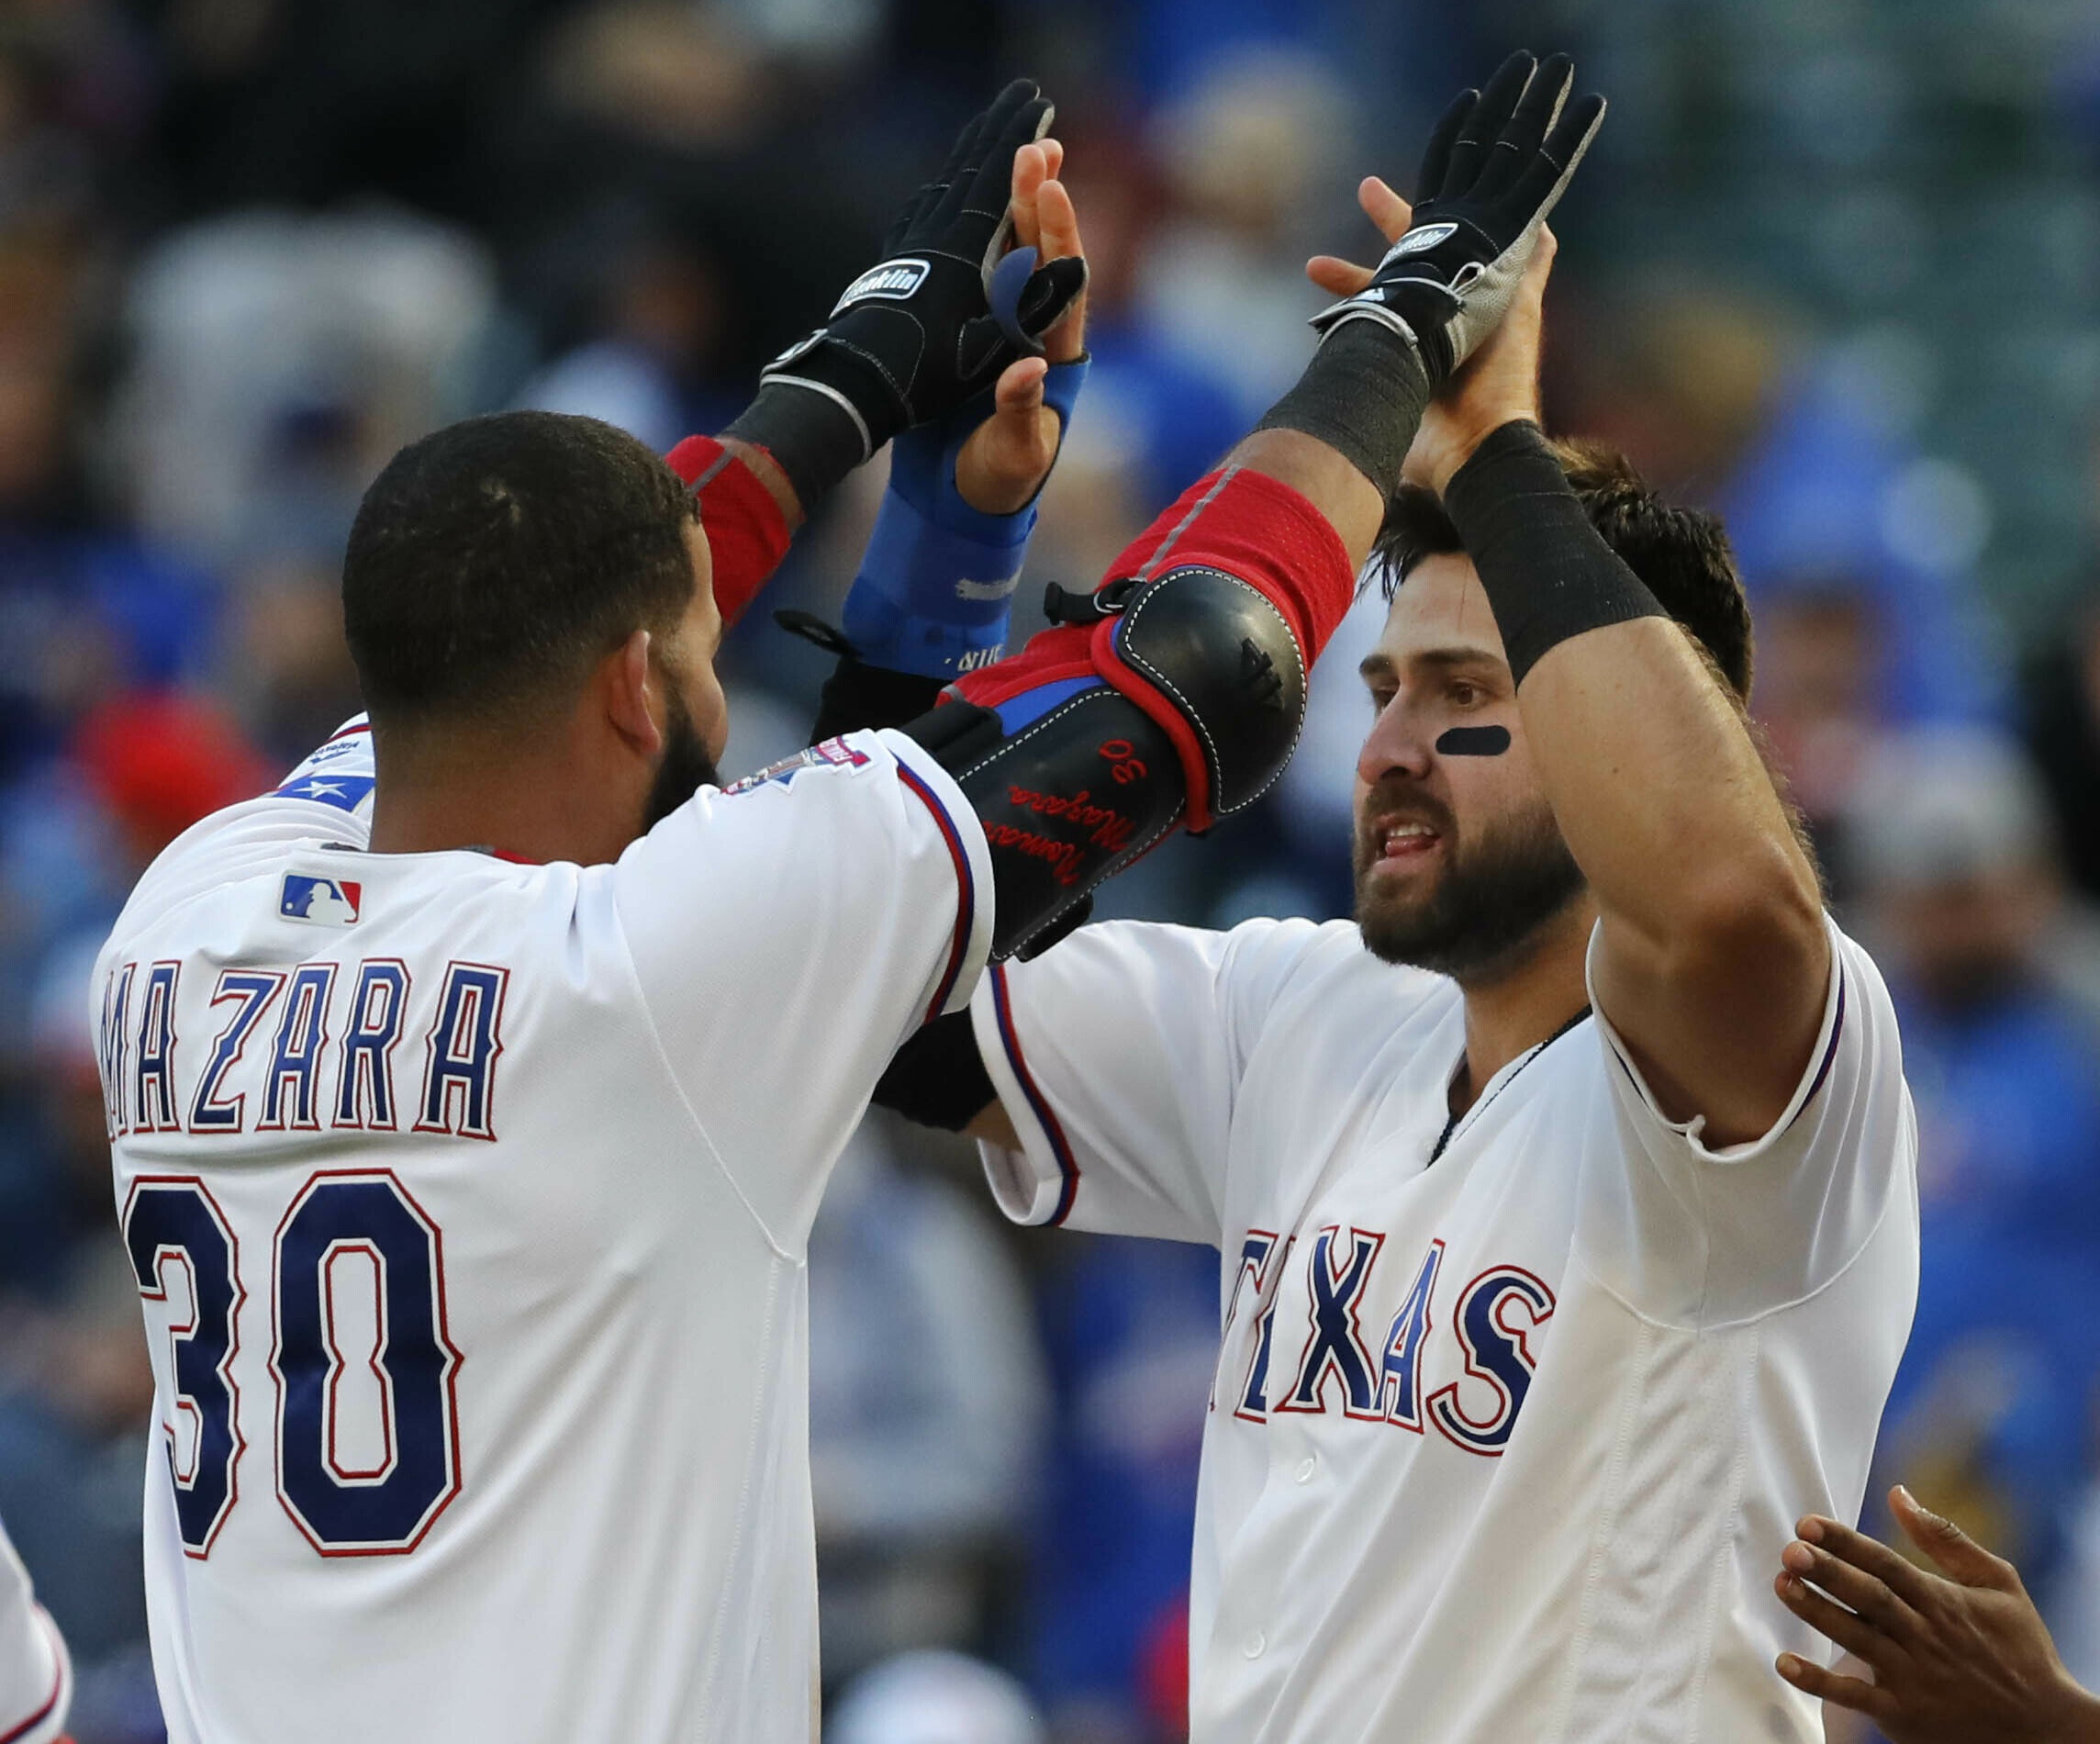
(1497, 164)
(922, 331)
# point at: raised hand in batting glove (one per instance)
(1496, 165)
(946, 308)
(934, 592)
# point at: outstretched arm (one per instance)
(1958, 1656)
(1191, 657)
(910, 340)
(1714, 964)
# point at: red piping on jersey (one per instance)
(966, 890)
(347, 732)
(494, 854)
(1067, 1165)
(58, 1687)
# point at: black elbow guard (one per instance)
(1191, 713)
(1210, 659)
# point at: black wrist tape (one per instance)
(1363, 395)
(1548, 572)
(813, 440)
(858, 695)
(938, 1078)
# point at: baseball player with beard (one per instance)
(1564, 1200)
(470, 1094)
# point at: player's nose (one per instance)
(1395, 745)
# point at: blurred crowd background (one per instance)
(1833, 269)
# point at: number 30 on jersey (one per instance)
(365, 1440)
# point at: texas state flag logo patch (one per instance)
(345, 793)
(320, 902)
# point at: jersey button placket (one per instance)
(1255, 1645)
(1306, 1468)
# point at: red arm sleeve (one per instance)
(747, 536)
(1244, 522)
(1252, 527)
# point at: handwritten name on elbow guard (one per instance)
(1108, 827)
(1063, 858)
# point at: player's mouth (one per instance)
(1393, 844)
(1406, 841)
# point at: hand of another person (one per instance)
(1496, 165)
(1960, 1657)
(1008, 457)
(918, 334)
(1497, 384)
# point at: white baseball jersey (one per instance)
(1507, 1436)
(468, 1200)
(36, 1677)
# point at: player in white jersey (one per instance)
(471, 1095)
(1568, 1231)
(35, 1676)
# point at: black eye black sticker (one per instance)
(1473, 742)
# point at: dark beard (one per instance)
(686, 768)
(1485, 914)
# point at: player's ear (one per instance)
(625, 679)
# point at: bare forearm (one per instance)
(1655, 781)
(1714, 960)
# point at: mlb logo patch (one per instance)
(320, 902)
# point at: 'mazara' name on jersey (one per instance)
(301, 1047)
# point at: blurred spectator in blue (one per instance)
(1133, 1331)
(279, 360)
(85, 604)
(1830, 487)
(1172, 415)
(1810, 455)
(649, 364)
(927, 1401)
(1985, 958)
(1255, 152)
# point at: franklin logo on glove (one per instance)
(894, 279)
(1421, 241)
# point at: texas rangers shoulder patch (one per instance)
(833, 753)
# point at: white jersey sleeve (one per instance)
(1695, 1235)
(327, 798)
(36, 1678)
(1119, 1055)
(849, 900)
